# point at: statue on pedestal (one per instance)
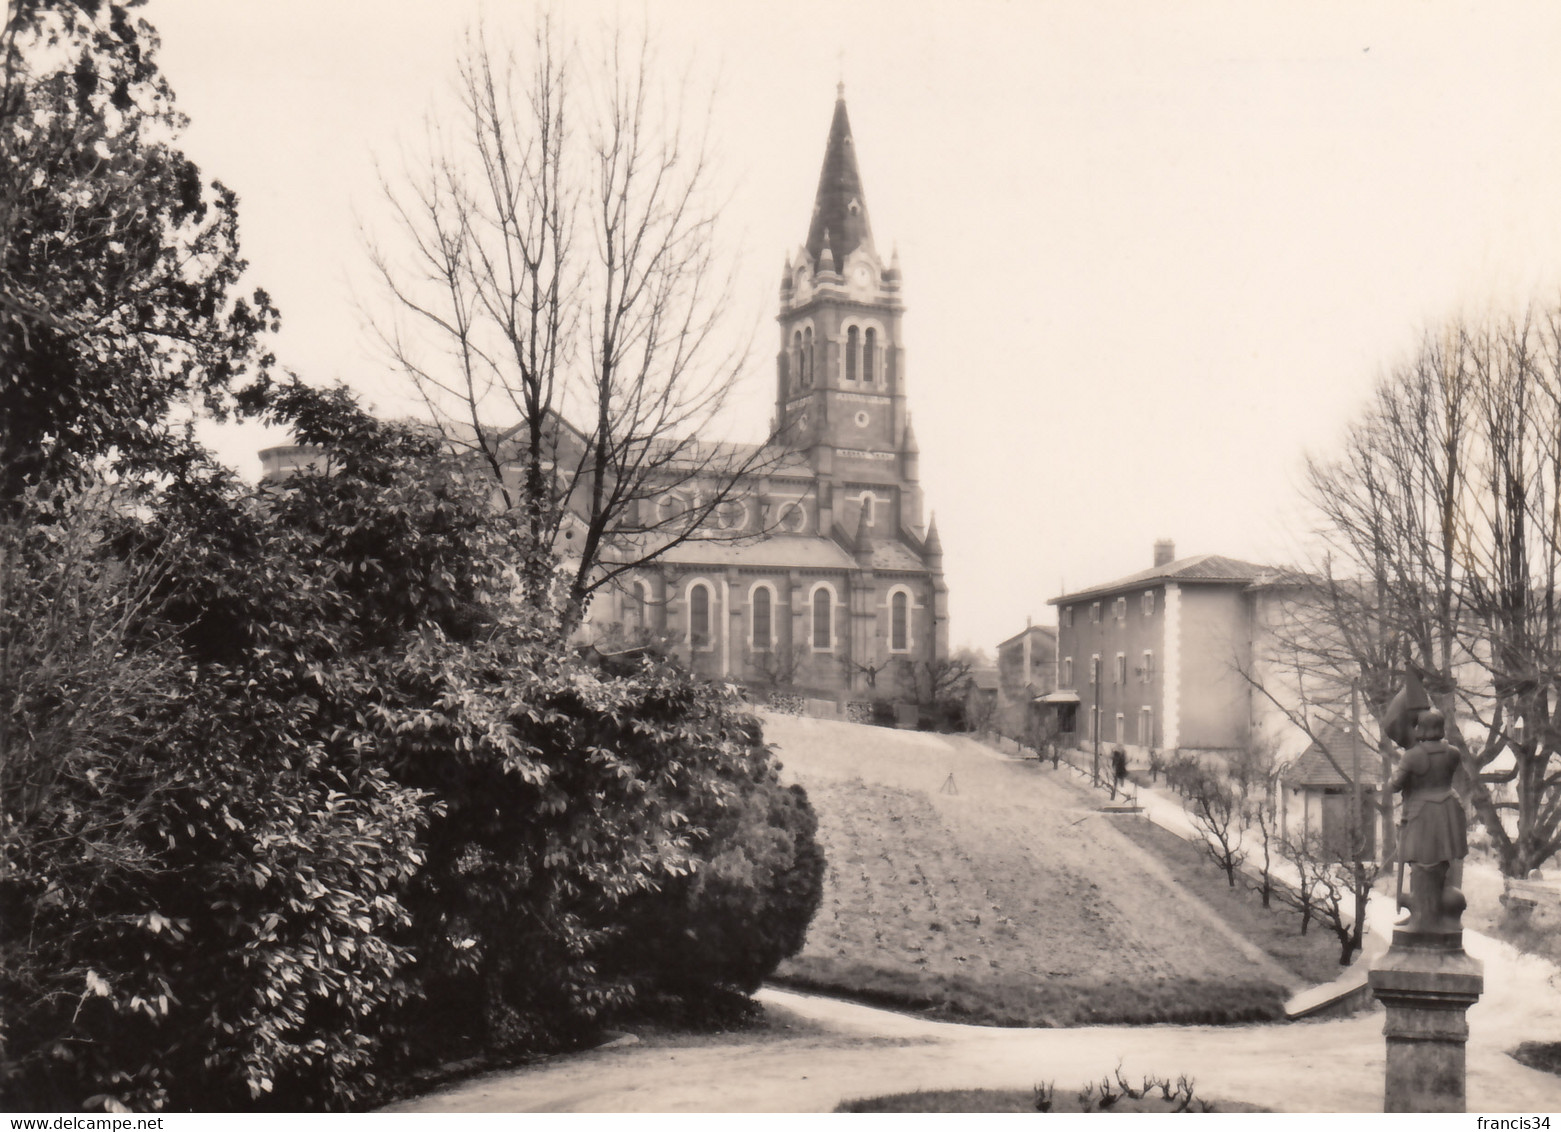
(1426, 979)
(1433, 835)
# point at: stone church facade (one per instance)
(840, 592)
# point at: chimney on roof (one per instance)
(1164, 551)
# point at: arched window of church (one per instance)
(761, 618)
(807, 358)
(699, 615)
(797, 367)
(870, 355)
(899, 621)
(852, 345)
(823, 619)
(634, 602)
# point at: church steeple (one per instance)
(839, 391)
(840, 208)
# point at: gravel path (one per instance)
(1299, 1067)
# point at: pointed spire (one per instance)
(826, 257)
(933, 545)
(840, 207)
(908, 445)
(891, 275)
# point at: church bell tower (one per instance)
(840, 394)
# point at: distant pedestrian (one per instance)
(1119, 766)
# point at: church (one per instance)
(840, 591)
(817, 578)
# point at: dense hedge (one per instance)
(727, 923)
(296, 794)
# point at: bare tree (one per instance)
(980, 710)
(1308, 865)
(869, 672)
(934, 681)
(1260, 818)
(559, 303)
(1331, 890)
(1442, 518)
(1218, 813)
(1256, 775)
(779, 663)
(1048, 737)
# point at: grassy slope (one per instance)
(1004, 900)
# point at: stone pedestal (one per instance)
(1427, 982)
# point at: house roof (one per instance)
(1045, 633)
(1198, 569)
(985, 678)
(1312, 767)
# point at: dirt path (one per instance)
(1300, 1067)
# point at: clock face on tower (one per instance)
(862, 419)
(861, 277)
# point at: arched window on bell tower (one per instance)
(852, 343)
(800, 374)
(807, 358)
(870, 355)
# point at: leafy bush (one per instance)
(196, 893)
(604, 833)
(296, 792)
(945, 716)
(786, 704)
(756, 882)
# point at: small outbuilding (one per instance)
(1317, 788)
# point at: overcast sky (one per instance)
(1153, 253)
